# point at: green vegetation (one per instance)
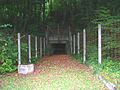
(8, 53)
(109, 68)
(76, 13)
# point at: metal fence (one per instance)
(97, 43)
(110, 41)
(111, 44)
(30, 47)
(91, 43)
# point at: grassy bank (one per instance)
(109, 69)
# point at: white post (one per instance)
(99, 44)
(36, 46)
(29, 48)
(71, 44)
(19, 50)
(84, 46)
(44, 45)
(40, 46)
(74, 43)
(70, 37)
(78, 43)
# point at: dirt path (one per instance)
(59, 72)
(59, 63)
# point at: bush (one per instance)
(109, 69)
(78, 57)
(8, 53)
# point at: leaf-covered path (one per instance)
(58, 72)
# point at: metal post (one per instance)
(46, 35)
(70, 40)
(99, 44)
(71, 44)
(29, 48)
(74, 43)
(40, 46)
(36, 47)
(58, 32)
(78, 43)
(84, 46)
(19, 50)
(44, 46)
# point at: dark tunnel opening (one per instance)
(59, 48)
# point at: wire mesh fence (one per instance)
(110, 43)
(30, 48)
(109, 48)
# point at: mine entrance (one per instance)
(59, 48)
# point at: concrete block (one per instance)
(30, 68)
(25, 69)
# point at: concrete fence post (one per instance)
(29, 48)
(84, 46)
(78, 42)
(19, 50)
(74, 44)
(99, 44)
(70, 40)
(41, 47)
(36, 55)
(44, 42)
(71, 44)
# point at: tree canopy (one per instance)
(33, 15)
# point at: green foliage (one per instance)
(8, 54)
(78, 57)
(92, 52)
(19, 14)
(33, 60)
(109, 69)
(67, 12)
(24, 55)
(102, 16)
(5, 26)
(111, 29)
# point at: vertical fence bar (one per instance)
(74, 44)
(36, 47)
(84, 46)
(40, 46)
(99, 44)
(78, 42)
(46, 35)
(58, 32)
(70, 37)
(71, 44)
(19, 50)
(44, 45)
(29, 48)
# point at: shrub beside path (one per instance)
(58, 72)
